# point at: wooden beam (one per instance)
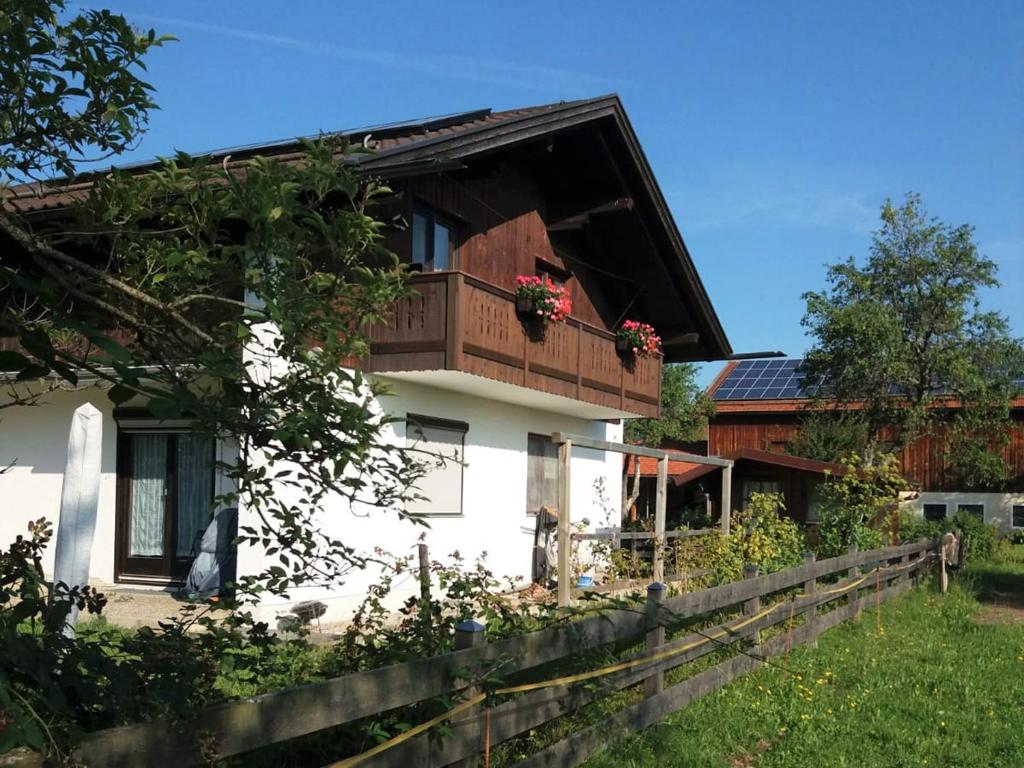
(680, 339)
(637, 450)
(564, 524)
(580, 220)
(726, 516)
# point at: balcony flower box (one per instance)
(636, 338)
(542, 299)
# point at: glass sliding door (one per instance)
(165, 490)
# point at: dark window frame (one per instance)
(414, 420)
(1014, 509)
(934, 505)
(433, 218)
(169, 567)
(960, 507)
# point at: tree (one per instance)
(685, 411)
(232, 292)
(830, 436)
(903, 337)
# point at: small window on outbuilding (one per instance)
(1017, 516)
(978, 510)
(440, 445)
(433, 241)
(934, 512)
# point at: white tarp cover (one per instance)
(78, 501)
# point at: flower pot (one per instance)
(524, 305)
(623, 346)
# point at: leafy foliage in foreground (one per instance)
(934, 688)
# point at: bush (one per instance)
(761, 535)
(981, 537)
(857, 504)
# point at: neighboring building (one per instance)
(562, 190)
(760, 404)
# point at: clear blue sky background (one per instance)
(775, 129)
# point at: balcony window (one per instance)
(433, 241)
(440, 445)
(541, 473)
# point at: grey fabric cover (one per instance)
(215, 564)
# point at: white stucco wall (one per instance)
(494, 518)
(35, 439)
(998, 506)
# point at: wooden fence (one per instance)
(525, 701)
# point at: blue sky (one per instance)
(776, 130)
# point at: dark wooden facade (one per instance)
(924, 462)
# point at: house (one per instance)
(562, 191)
(759, 406)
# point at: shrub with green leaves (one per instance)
(857, 504)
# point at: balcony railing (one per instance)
(454, 321)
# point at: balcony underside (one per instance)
(499, 391)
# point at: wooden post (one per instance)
(470, 634)
(424, 589)
(810, 587)
(943, 576)
(752, 606)
(904, 572)
(726, 516)
(654, 684)
(853, 573)
(564, 525)
(661, 498)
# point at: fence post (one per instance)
(810, 587)
(660, 501)
(852, 573)
(470, 634)
(752, 606)
(425, 589)
(654, 684)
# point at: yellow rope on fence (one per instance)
(600, 672)
(348, 762)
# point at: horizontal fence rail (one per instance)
(523, 704)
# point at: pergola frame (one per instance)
(566, 442)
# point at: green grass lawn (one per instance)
(941, 685)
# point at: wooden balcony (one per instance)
(456, 322)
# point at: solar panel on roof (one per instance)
(765, 380)
(784, 380)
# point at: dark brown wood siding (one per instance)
(924, 462)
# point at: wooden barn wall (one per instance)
(924, 462)
(502, 218)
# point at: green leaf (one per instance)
(13, 361)
(119, 394)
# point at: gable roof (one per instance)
(420, 146)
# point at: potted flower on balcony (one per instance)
(542, 298)
(638, 339)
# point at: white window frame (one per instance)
(415, 424)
